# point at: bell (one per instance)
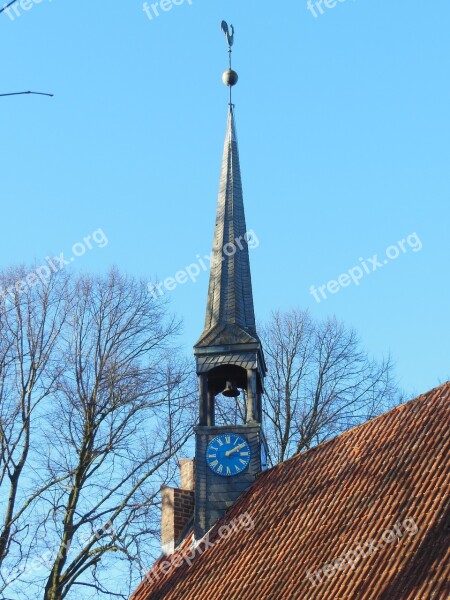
(231, 390)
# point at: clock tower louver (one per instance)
(229, 355)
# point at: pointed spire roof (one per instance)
(230, 315)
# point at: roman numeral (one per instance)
(228, 439)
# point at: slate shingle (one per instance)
(230, 296)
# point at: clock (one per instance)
(228, 454)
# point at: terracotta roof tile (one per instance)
(378, 481)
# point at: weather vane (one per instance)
(229, 34)
(230, 77)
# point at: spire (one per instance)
(230, 296)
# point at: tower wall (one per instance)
(215, 494)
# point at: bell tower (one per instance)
(229, 355)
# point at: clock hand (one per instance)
(233, 450)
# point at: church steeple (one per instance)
(230, 309)
(229, 354)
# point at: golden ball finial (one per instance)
(230, 78)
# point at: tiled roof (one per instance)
(230, 296)
(349, 508)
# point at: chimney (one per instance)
(177, 507)
(187, 475)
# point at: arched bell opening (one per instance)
(229, 380)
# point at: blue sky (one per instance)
(343, 126)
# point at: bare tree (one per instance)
(30, 323)
(320, 382)
(120, 409)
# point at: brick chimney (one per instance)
(177, 507)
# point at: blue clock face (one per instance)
(228, 454)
